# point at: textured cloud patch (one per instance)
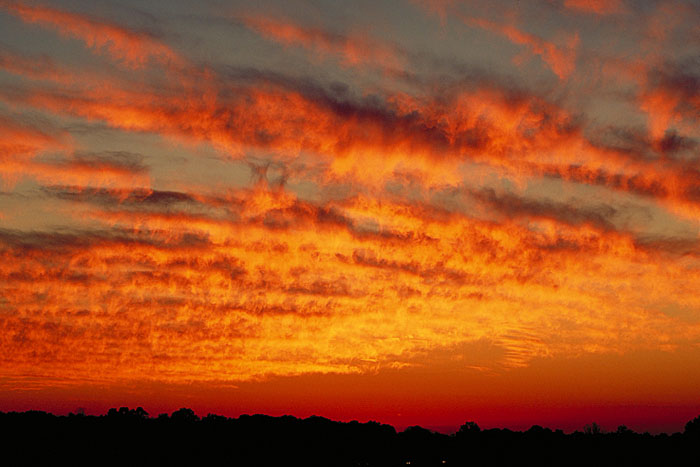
(301, 198)
(133, 48)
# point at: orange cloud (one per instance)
(425, 139)
(456, 226)
(670, 96)
(18, 138)
(187, 296)
(660, 107)
(598, 7)
(667, 92)
(133, 48)
(35, 68)
(72, 172)
(19, 144)
(561, 60)
(351, 50)
(21, 148)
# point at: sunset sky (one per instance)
(411, 211)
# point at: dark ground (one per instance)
(130, 437)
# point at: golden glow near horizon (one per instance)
(288, 193)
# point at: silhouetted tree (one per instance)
(140, 413)
(184, 415)
(469, 428)
(592, 429)
(214, 418)
(623, 430)
(124, 413)
(129, 437)
(693, 427)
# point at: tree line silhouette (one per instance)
(131, 437)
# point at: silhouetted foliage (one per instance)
(469, 428)
(124, 413)
(592, 429)
(622, 430)
(693, 427)
(184, 416)
(130, 437)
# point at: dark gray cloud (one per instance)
(571, 212)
